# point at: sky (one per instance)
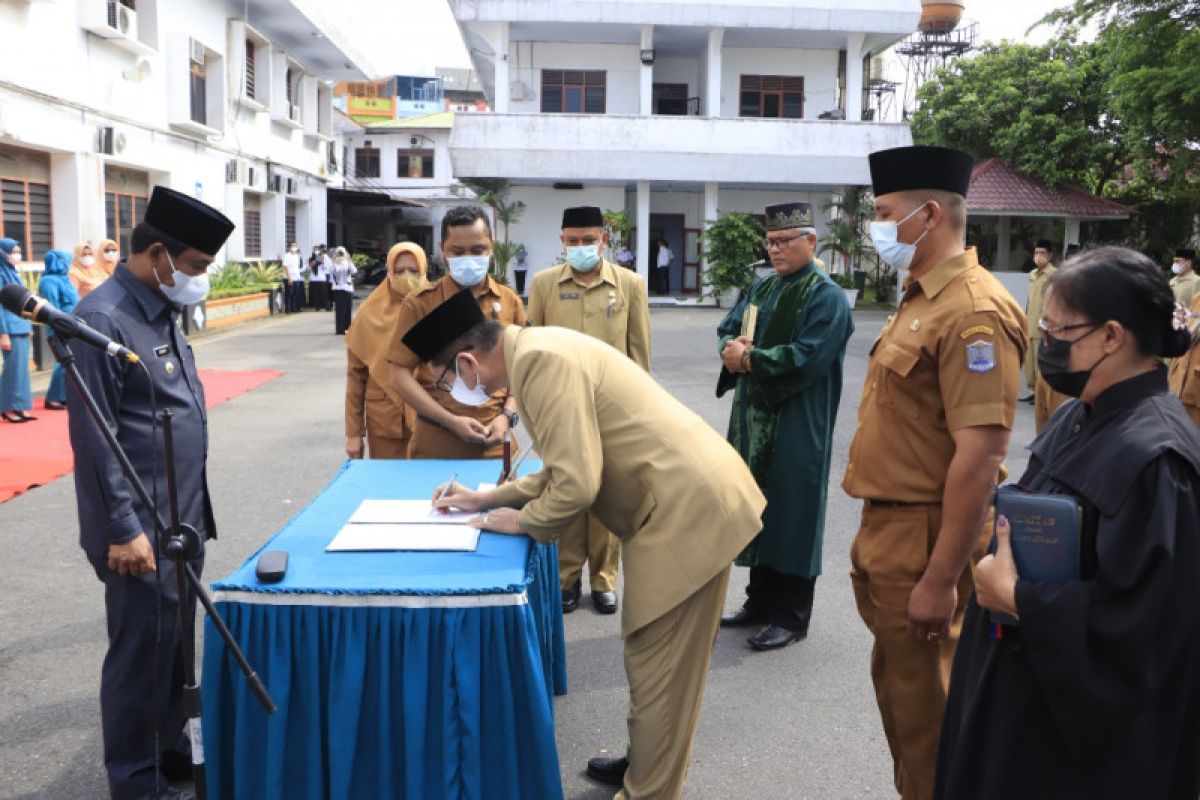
(415, 36)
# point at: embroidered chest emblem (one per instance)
(915, 326)
(981, 356)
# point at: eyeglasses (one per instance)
(1054, 334)
(442, 384)
(782, 241)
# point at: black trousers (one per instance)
(341, 310)
(318, 295)
(785, 600)
(141, 683)
(295, 297)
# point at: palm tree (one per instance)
(848, 230)
(493, 193)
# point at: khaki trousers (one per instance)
(1031, 368)
(667, 663)
(387, 446)
(588, 540)
(1045, 402)
(911, 678)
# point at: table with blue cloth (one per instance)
(397, 674)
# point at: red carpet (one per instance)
(35, 453)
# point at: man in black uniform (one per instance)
(141, 682)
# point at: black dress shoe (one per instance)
(170, 793)
(741, 618)
(570, 598)
(608, 770)
(605, 602)
(176, 767)
(774, 637)
(1028, 398)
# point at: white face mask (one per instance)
(896, 254)
(1177, 268)
(87, 261)
(110, 255)
(468, 270)
(464, 394)
(188, 290)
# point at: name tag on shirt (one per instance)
(162, 350)
(568, 295)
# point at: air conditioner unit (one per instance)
(518, 90)
(196, 51)
(293, 112)
(127, 22)
(276, 183)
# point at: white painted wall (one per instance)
(680, 70)
(87, 78)
(390, 142)
(621, 63)
(541, 224)
(817, 67)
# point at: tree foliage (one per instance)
(1042, 109)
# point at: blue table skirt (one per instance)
(396, 691)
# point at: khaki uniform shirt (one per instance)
(948, 359)
(1184, 377)
(497, 302)
(1185, 287)
(670, 487)
(613, 309)
(1035, 306)
(371, 408)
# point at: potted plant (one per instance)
(847, 283)
(731, 246)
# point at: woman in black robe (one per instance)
(1095, 693)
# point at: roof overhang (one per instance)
(308, 31)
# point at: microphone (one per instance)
(25, 303)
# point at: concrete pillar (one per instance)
(76, 200)
(642, 223)
(1003, 244)
(274, 225)
(712, 81)
(711, 210)
(500, 101)
(646, 89)
(854, 76)
(1070, 233)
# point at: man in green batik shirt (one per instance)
(783, 344)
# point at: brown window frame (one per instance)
(250, 71)
(564, 81)
(289, 229)
(252, 233)
(25, 237)
(771, 88)
(368, 152)
(198, 92)
(116, 226)
(404, 163)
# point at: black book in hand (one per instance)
(1045, 532)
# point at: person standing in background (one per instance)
(341, 279)
(110, 255)
(1186, 283)
(85, 273)
(373, 408)
(662, 271)
(15, 395)
(587, 293)
(1039, 276)
(58, 291)
(292, 269)
(318, 284)
(1184, 376)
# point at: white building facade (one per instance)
(101, 100)
(676, 111)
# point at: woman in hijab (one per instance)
(1090, 687)
(372, 407)
(85, 273)
(15, 395)
(342, 286)
(110, 254)
(318, 283)
(59, 292)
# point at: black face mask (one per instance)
(1053, 357)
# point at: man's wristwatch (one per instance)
(513, 419)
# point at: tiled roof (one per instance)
(998, 189)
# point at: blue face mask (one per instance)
(583, 257)
(468, 270)
(885, 237)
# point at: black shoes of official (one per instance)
(1028, 398)
(170, 793)
(742, 618)
(773, 637)
(570, 598)
(175, 766)
(608, 770)
(605, 602)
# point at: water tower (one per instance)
(938, 40)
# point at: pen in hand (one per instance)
(442, 494)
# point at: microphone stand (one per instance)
(182, 544)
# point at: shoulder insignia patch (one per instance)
(969, 332)
(981, 356)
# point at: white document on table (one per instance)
(406, 512)
(430, 537)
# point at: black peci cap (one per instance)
(1186, 252)
(1044, 244)
(185, 218)
(921, 167)
(448, 321)
(583, 217)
